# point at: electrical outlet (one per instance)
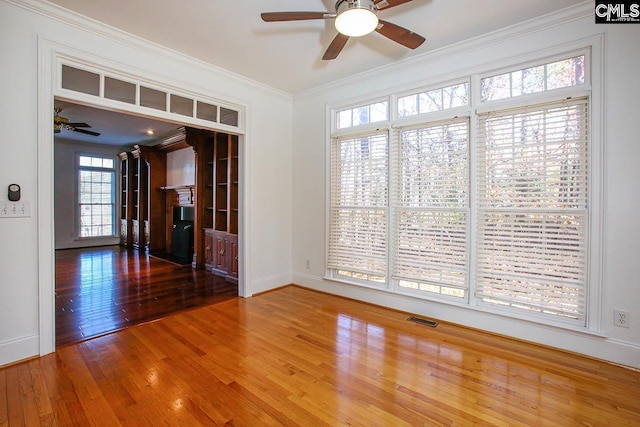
(307, 264)
(621, 318)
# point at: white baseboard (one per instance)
(268, 283)
(19, 349)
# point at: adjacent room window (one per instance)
(96, 194)
(492, 212)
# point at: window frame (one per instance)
(592, 49)
(408, 120)
(394, 283)
(334, 272)
(544, 212)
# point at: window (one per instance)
(434, 100)
(96, 191)
(125, 90)
(431, 209)
(532, 208)
(541, 78)
(358, 217)
(371, 113)
(495, 216)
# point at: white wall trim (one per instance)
(558, 18)
(45, 212)
(18, 349)
(74, 19)
(599, 347)
(49, 53)
(270, 282)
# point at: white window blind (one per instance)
(359, 204)
(532, 209)
(431, 207)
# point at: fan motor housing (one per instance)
(342, 5)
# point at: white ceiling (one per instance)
(284, 55)
(288, 55)
(114, 128)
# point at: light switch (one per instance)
(15, 209)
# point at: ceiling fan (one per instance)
(60, 123)
(354, 18)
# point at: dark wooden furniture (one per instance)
(219, 166)
(126, 198)
(142, 222)
(139, 197)
(214, 197)
(152, 210)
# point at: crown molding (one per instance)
(84, 23)
(531, 26)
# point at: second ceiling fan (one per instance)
(354, 18)
(60, 123)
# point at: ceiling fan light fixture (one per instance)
(356, 18)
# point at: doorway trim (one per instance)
(50, 54)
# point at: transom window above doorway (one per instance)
(128, 91)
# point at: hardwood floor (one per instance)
(101, 290)
(301, 358)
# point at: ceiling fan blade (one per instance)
(400, 35)
(335, 47)
(88, 132)
(294, 16)
(386, 4)
(79, 125)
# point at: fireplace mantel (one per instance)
(185, 195)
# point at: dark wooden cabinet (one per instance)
(217, 202)
(153, 165)
(232, 251)
(221, 253)
(126, 198)
(142, 210)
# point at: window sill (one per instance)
(84, 239)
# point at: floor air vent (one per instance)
(423, 321)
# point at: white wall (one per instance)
(621, 230)
(27, 153)
(66, 192)
(181, 167)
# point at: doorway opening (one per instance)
(135, 267)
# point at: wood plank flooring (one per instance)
(101, 290)
(296, 357)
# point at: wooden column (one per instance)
(155, 175)
(202, 143)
